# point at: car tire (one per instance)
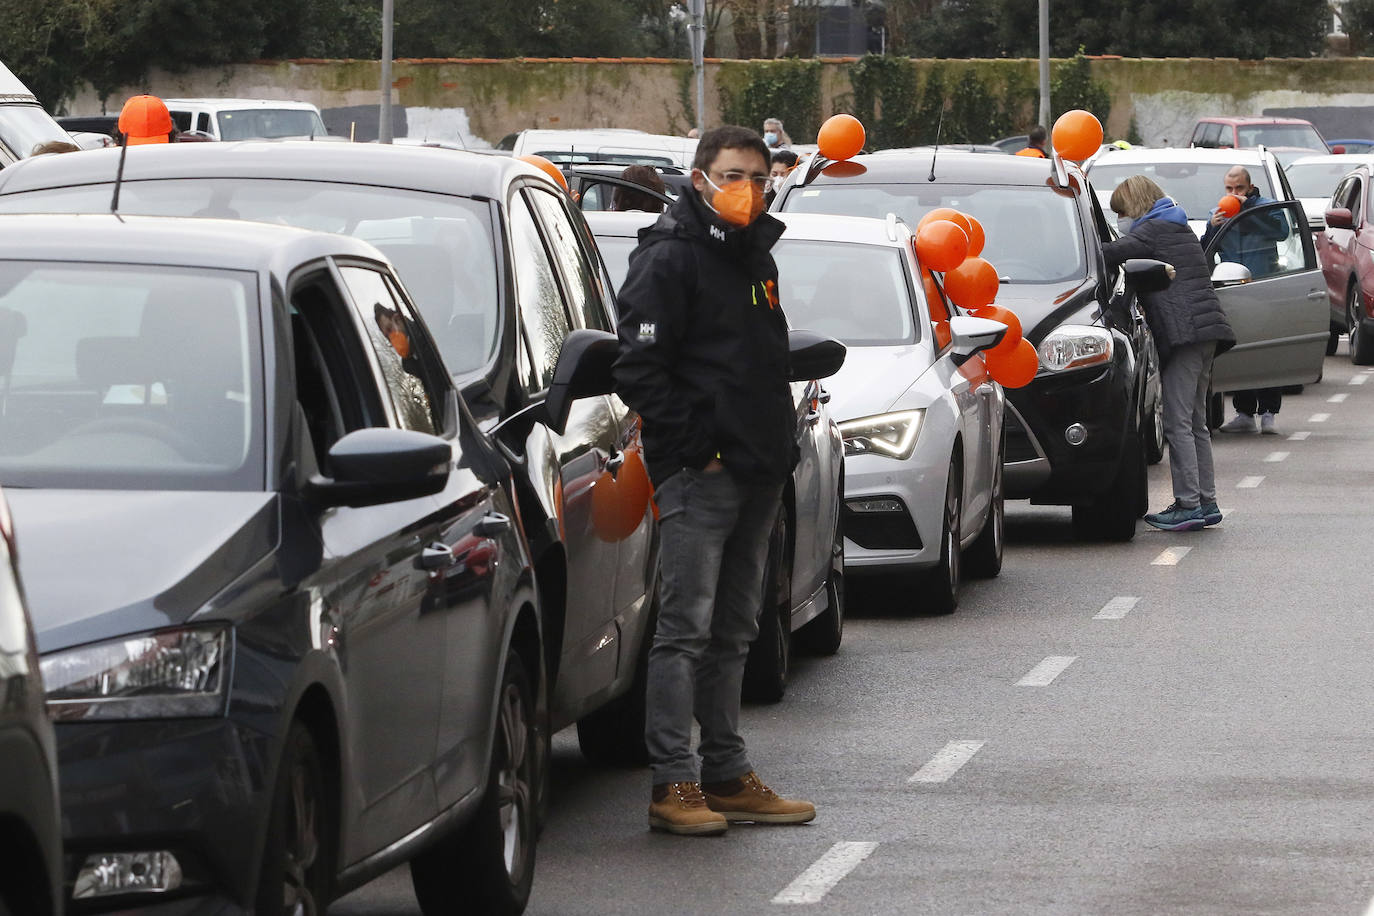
(1154, 441)
(770, 655)
(941, 592)
(983, 559)
(823, 634)
(613, 735)
(1112, 516)
(487, 865)
(297, 859)
(1361, 344)
(1332, 342)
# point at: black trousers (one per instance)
(1257, 400)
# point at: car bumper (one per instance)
(891, 541)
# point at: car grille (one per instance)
(882, 530)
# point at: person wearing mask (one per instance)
(623, 198)
(1253, 244)
(1189, 329)
(774, 137)
(784, 161)
(1035, 145)
(703, 359)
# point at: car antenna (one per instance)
(119, 174)
(938, 125)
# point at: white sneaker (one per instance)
(1240, 423)
(1267, 424)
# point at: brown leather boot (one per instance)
(748, 799)
(679, 807)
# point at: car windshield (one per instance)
(255, 123)
(1316, 179)
(116, 376)
(22, 127)
(1303, 135)
(440, 244)
(604, 156)
(1194, 186)
(1018, 220)
(859, 294)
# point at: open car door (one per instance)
(1264, 269)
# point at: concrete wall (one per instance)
(481, 101)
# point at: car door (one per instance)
(371, 581)
(970, 387)
(462, 558)
(817, 502)
(1338, 248)
(1279, 315)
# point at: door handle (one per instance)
(437, 555)
(491, 524)
(614, 462)
(1317, 294)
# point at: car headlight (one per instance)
(1073, 346)
(159, 675)
(892, 435)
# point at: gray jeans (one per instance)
(1185, 378)
(713, 548)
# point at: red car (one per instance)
(1242, 133)
(1346, 251)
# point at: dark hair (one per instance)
(728, 137)
(785, 156)
(1037, 135)
(623, 198)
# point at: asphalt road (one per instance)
(1176, 725)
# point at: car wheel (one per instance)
(1361, 346)
(1154, 443)
(984, 556)
(1112, 516)
(823, 634)
(770, 655)
(613, 735)
(1332, 342)
(297, 857)
(487, 866)
(941, 592)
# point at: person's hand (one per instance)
(713, 467)
(1218, 218)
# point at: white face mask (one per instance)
(771, 138)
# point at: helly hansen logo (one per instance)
(647, 330)
(717, 233)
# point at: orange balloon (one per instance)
(619, 501)
(1077, 134)
(552, 170)
(943, 335)
(941, 245)
(949, 213)
(1229, 205)
(997, 313)
(1014, 369)
(973, 284)
(976, 237)
(938, 312)
(841, 137)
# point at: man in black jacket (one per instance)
(703, 359)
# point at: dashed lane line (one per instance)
(1275, 457)
(1249, 483)
(820, 878)
(1319, 418)
(1338, 398)
(1043, 674)
(1300, 436)
(1171, 556)
(1117, 608)
(1358, 379)
(947, 761)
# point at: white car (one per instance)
(247, 119)
(615, 146)
(921, 421)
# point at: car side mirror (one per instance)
(970, 336)
(1340, 218)
(1230, 273)
(813, 356)
(1147, 275)
(584, 369)
(374, 466)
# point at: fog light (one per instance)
(874, 505)
(113, 873)
(1076, 434)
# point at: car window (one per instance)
(1356, 199)
(859, 294)
(1300, 135)
(441, 245)
(1269, 240)
(254, 123)
(22, 127)
(615, 251)
(1194, 186)
(585, 295)
(181, 119)
(1211, 133)
(1316, 179)
(203, 122)
(542, 314)
(129, 377)
(1341, 195)
(393, 331)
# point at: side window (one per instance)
(181, 119)
(542, 315)
(393, 331)
(1211, 137)
(1198, 135)
(203, 122)
(1341, 196)
(1356, 199)
(1268, 240)
(585, 294)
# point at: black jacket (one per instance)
(1187, 311)
(703, 345)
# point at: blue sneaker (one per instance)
(1178, 518)
(1211, 515)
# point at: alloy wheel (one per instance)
(1352, 316)
(303, 847)
(514, 790)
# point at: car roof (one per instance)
(863, 230)
(1246, 156)
(442, 171)
(1350, 159)
(241, 103)
(1253, 119)
(175, 241)
(951, 167)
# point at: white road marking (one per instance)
(1275, 457)
(820, 878)
(947, 761)
(1299, 436)
(1337, 398)
(1117, 608)
(1319, 418)
(1171, 556)
(1043, 674)
(1249, 483)
(1359, 379)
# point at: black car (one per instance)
(502, 268)
(30, 828)
(286, 611)
(1082, 432)
(593, 183)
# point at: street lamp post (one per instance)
(1045, 64)
(697, 32)
(384, 122)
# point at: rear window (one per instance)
(1194, 186)
(1034, 234)
(254, 123)
(1316, 179)
(1302, 135)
